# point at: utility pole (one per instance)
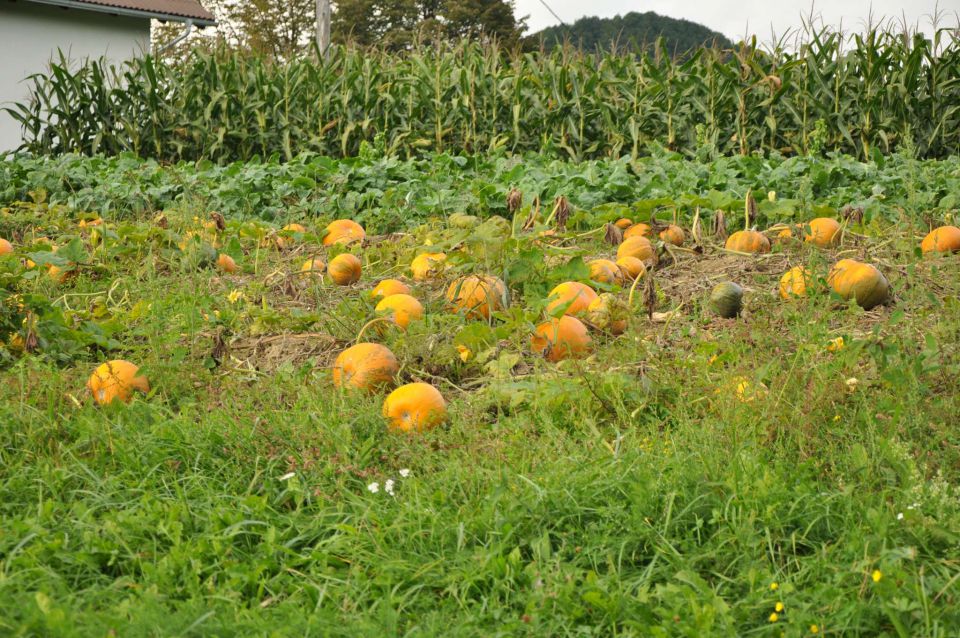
(323, 26)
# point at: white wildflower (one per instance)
(373, 488)
(388, 487)
(288, 476)
(404, 473)
(900, 516)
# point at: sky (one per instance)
(732, 18)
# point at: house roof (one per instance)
(176, 10)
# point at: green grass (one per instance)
(619, 495)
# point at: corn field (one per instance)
(860, 95)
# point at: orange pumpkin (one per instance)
(638, 230)
(365, 366)
(748, 241)
(609, 313)
(389, 287)
(561, 338)
(343, 231)
(427, 265)
(940, 240)
(631, 267)
(639, 247)
(115, 380)
(60, 275)
(623, 223)
(786, 233)
(402, 309)
(673, 234)
(314, 266)
(477, 296)
(290, 228)
(6, 248)
(345, 269)
(824, 232)
(572, 294)
(852, 279)
(794, 282)
(226, 263)
(414, 407)
(604, 271)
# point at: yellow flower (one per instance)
(774, 586)
(836, 417)
(235, 296)
(712, 360)
(814, 629)
(774, 617)
(778, 607)
(465, 353)
(836, 345)
(877, 575)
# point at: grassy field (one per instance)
(695, 476)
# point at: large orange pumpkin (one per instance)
(574, 293)
(794, 282)
(389, 287)
(477, 296)
(604, 271)
(314, 266)
(631, 267)
(345, 269)
(748, 241)
(116, 380)
(852, 279)
(226, 263)
(561, 338)
(639, 247)
(365, 366)
(638, 230)
(941, 240)
(343, 231)
(6, 248)
(824, 232)
(609, 313)
(415, 407)
(427, 265)
(402, 309)
(673, 234)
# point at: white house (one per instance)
(33, 31)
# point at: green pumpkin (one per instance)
(726, 299)
(463, 222)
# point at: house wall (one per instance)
(30, 35)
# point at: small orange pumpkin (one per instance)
(116, 380)
(572, 294)
(343, 231)
(558, 339)
(427, 265)
(6, 248)
(604, 271)
(941, 240)
(314, 266)
(673, 234)
(824, 232)
(748, 241)
(639, 247)
(477, 296)
(623, 223)
(290, 228)
(852, 279)
(365, 366)
(638, 230)
(345, 269)
(389, 287)
(402, 309)
(631, 267)
(226, 263)
(794, 282)
(414, 407)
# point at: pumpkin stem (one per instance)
(370, 323)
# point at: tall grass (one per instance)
(878, 91)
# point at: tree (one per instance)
(398, 24)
